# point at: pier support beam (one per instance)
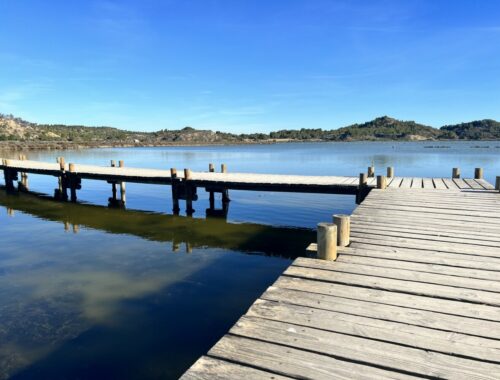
(327, 241)
(10, 176)
(113, 202)
(371, 171)
(74, 182)
(390, 172)
(362, 188)
(189, 191)
(478, 173)
(343, 223)
(175, 191)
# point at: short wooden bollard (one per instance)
(343, 223)
(23, 185)
(381, 182)
(362, 188)
(478, 173)
(390, 172)
(371, 171)
(211, 168)
(175, 192)
(327, 241)
(455, 173)
(223, 168)
(9, 176)
(362, 180)
(113, 187)
(497, 183)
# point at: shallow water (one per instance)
(92, 292)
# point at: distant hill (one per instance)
(15, 131)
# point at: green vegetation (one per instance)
(13, 129)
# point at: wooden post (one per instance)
(327, 241)
(113, 187)
(343, 223)
(9, 176)
(189, 199)
(455, 173)
(225, 192)
(362, 188)
(23, 184)
(211, 196)
(175, 193)
(371, 171)
(72, 181)
(497, 183)
(362, 180)
(381, 182)
(390, 172)
(123, 198)
(61, 192)
(223, 168)
(478, 173)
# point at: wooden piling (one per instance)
(390, 172)
(175, 193)
(72, 182)
(371, 171)
(113, 187)
(478, 173)
(381, 182)
(343, 223)
(362, 180)
(223, 168)
(9, 176)
(123, 198)
(211, 197)
(497, 183)
(327, 241)
(188, 189)
(455, 173)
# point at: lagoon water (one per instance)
(89, 292)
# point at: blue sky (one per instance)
(247, 66)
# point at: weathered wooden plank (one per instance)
(485, 184)
(207, 368)
(395, 182)
(438, 183)
(412, 301)
(410, 287)
(416, 183)
(470, 330)
(406, 183)
(427, 183)
(473, 183)
(345, 266)
(293, 362)
(372, 352)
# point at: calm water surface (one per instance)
(89, 292)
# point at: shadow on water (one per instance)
(194, 233)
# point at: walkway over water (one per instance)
(416, 294)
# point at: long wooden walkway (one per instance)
(240, 181)
(415, 295)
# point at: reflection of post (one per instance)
(76, 228)
(10, 212)
(189, 248)
(122, 187)
(175, 246)
(175, 191)
(66, 226)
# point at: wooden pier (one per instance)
(409, 287)
(416, 294)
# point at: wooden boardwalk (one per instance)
(415, 295)
(240, 181)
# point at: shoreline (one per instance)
(67, 145)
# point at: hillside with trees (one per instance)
(15, 132)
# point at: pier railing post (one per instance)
(211, 197)
(381, 182)
(390, 172)
(371, 171)
(327, 241)
(497, 183)
(478, 173)
(455, 173)
(189, 192)
(343, 223)
(123, 196)
(175, 191)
